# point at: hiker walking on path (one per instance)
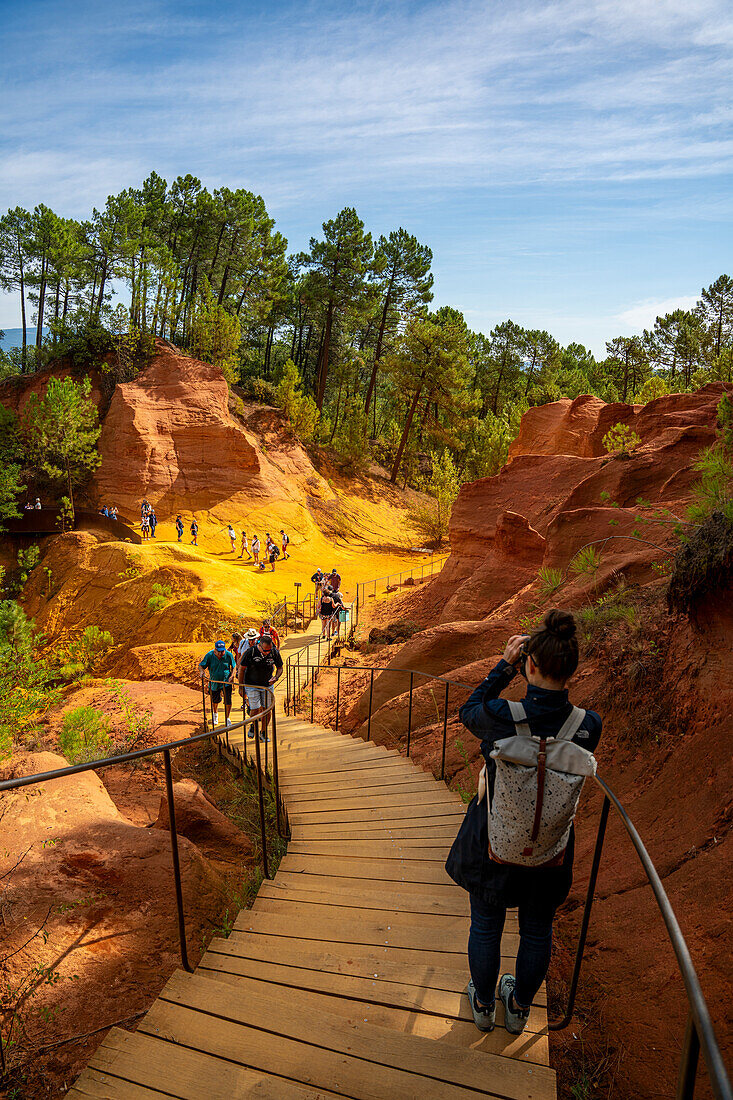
(273, 555)
(317, 579)
(247, 642)
(268, 628)
(326, 612)
(179, 527)
(232, 537)
(256, 549)
(334, 579)
(285, 543)
(515, 846)
(245, 547)
(220, 665)
(153, 519)
(194, 533)
(145, 527)
(260, 667)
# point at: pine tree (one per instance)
(716, 309)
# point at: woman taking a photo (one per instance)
(490, 857)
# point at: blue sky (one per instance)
(568, 161)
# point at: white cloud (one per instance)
(642, 315)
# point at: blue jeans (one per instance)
(533, 957)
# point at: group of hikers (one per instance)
(110, 511)
(148, 520)
(272, 550)
(254, 660)
(329, 601)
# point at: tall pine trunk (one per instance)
(323, 372)
(378, 350)
(406, 432)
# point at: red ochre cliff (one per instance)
(663, 686)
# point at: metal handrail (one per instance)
(699, 1034)
(362, 585)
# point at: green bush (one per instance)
(159, 599)
(27, 562)
(621, 439)
(586, 562)
(84, 735)
(549, 580)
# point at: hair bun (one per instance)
(560, 623)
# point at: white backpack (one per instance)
(536, 791)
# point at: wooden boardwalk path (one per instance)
(347, 977)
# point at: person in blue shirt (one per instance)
(153, 522)
(179, 526)
(548, 658)
(219, 662)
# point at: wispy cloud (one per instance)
(642, 315)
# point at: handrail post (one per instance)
(313, 693)
(371, 695)
(558, 1025)
(176, 863)
(409, 715)
(688, 1062)
(285, 621)
(445, 731)
(263, 833)
(275, 771)
(203, 703)
(338, 695)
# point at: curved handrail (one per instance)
(700, 1032)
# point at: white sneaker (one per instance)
(229, 721)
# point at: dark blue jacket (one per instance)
(488, 717)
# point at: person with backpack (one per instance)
(516, 843)
(285, 539)
(232, 537)
(245, 547)
(256, 549)
(273, 556)
(268, 628)
(179, 527)
(260, 667)
(220, 664)
(194, 533)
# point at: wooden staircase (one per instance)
(347, 977)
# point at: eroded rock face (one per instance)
(200, 821)
(169, 436)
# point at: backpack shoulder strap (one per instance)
(519, 717)
(571, 725)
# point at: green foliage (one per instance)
(85, 735)
(85, 652)
(61, 431)
(66, 515)
(586, 562)
(654, 387)
(26, 678)
(261, 390)
(621, 439)
(216, 334)
(161, 594)
(28, 559)
(350, 443)
(714, 490)
(431, 520)
(549, 581)
(606, 612)
(299, 408)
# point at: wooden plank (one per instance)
(388, 870)
(393, 918)
(338, 883)
(341, 927)
(337, 787)
(420, 968)
(259, 1048)
(363, 898)
(128, 1064)
(317, 768)
(366, 831)
(442, 810)
(433, 795)
(277, 1012)
(413, 1018)
(435, 851)
(93, 1085)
